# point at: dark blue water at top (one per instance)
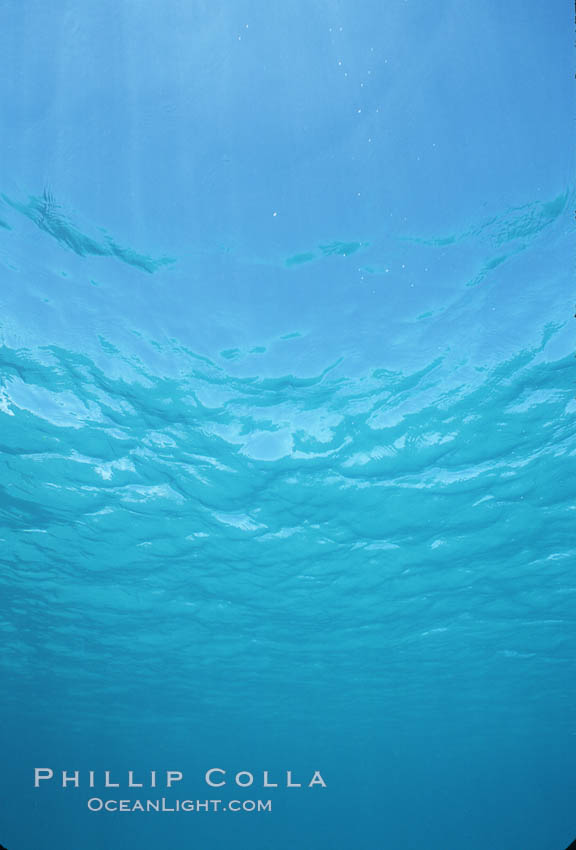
(287, 419)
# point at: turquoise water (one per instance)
(287, 421)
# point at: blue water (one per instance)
(287, 421)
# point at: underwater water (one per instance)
(287, 421)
